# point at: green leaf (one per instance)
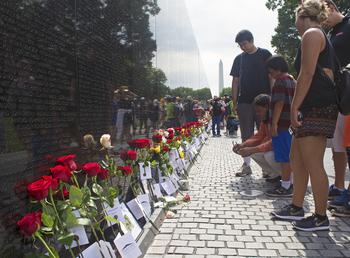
(49, 210)
(112, 191)
(111, 219)
(61, 205)
(97, 189)
(86, 194)
(55, 253)
(46, 229)
(69, 218)
(47, 220)
(75, 196)
(83, 221)
(66, 239)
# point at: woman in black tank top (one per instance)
(313, 117)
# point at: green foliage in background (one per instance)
(286, 39)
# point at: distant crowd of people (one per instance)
(295, 117)
(137, 115)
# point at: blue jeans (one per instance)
(216, 122)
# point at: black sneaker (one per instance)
(312, 223)
(334, 192)
(280, 192)
(289, 212)
(343, 211)
(273, 180)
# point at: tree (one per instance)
(286, 39)
(202, 94)
(227, 91)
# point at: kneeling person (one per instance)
(259, 146)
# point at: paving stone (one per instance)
(267, 253)
(227, 251)
(219, 222)
(205, 251)
(184, 250)
(247, 252)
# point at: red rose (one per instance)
(30, 223)
(68, 161)
(127, 170)
(132, 155)
(65, 192)
(62, 173)
(123, 154)
(139, 143)
(157, 138)
(103, 174)
(187, 198)
(178, 129)
(166, 149)
(169, 141)
(171, 130)
(39, 189)
(178, 138)
(92, 168)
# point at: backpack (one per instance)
(341, 84)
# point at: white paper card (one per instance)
(156, 191)
(172, 155)
(127, 246)
(136, 208)
(168, 187)
(114, 212)
(174, 179)
(145, 203)
(107, 249)
(79, 232)
(145, 172)
(93, 251)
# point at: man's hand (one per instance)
(247, 151)
(236, 147)
(273, 130)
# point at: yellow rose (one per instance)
(182, 154)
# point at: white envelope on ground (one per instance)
(174, 179)
(114, 212)
(136, 208)
(78, 231)
(156, 191)
(145, 203)
(168, 187)
(127, 246)
(145, 172)
(107, 249)
(93, 251)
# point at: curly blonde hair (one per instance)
(316, 10)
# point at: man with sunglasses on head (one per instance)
(250, 79)
(339, 36)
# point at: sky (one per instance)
(215, 24)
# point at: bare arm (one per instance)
(235, 82)
(312, 43)
(277, 110)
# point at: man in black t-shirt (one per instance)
(339, 36)
(250, 78)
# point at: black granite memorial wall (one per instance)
(60, 62)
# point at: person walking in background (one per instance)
(281, 100)
(250, 78)
(313, 117)
(259, 146)
(339, 36)
(231, 119)
(154, 114)
(142, 114)
(342, 207)
(188, 110)
(216, 112)
(171, 113)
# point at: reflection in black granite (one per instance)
(60, 62)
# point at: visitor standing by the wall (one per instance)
(281, 101)
(313, 117)
(340, 38)
(216, 112)
(250, 78)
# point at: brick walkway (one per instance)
(219, 222)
